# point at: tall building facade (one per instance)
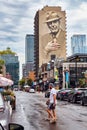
(26, 68)
(29, 55)
(78, 44)
(12, 66)
(50, 35)
(29, 48)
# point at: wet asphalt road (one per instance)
(30, 112)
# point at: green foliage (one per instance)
(22, 82)
(82, 82)
(7, 51)
(1, 66)
(2, 62)
(29, 82)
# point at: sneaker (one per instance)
(47, 119)
(52, 121)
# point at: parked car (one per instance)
(5, 113)
(15, 88)
(26, 88)
(75, 95)
(63, 94)
(47, 93)
(12, 126)
(31, 90)
(84, 98)
(59, 92)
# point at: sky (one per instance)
(17, 20)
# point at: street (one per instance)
(30, 112)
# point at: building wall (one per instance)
(81, 68)
(29, 48)
(78, 44)
(12, 66)
(26, 68)
(46, 37)
(36, 43)
(43, 36)
(13, 69)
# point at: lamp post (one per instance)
(52, 68)
(76, 70)
(76, 73)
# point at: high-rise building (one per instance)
(26, 68)
(12, 66)
(50, 35)
(78, 44)
(29, 55)
(29, 48)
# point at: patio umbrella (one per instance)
(5, 82)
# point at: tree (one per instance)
(82, 82)
(22, 82)
(7, 51)
(1, 66)
(2, 62)
(29, 82)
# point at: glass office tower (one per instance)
(78, 44)
(12, 66)
(29, 55)
(29, 48)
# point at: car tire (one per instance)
(68, 100)
(61, 98)
(82, 103)
(74, 100)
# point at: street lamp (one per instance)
(76, 70)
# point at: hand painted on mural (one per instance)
(52, 46)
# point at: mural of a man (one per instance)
(52, 41)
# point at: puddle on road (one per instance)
(79, 120)
(36, 118)
(84, 114)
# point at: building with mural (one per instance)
(50, 35)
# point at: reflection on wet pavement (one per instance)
(31, 112)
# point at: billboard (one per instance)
(52, 34)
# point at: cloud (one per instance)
(17, 20)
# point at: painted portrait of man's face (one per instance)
(54, 26)
(53, 22)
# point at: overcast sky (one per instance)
(17, 20)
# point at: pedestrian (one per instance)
(51, 104)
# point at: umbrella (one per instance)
(5, 82)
